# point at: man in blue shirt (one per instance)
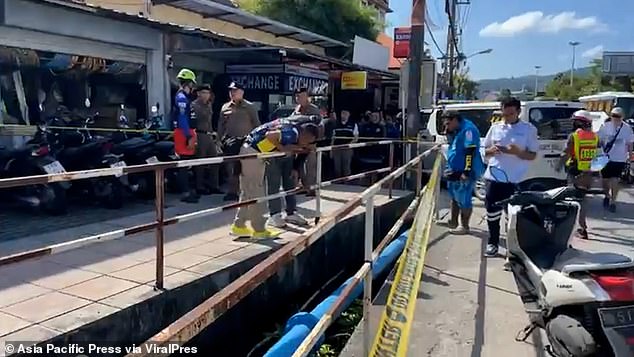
(184, 133)
(274, 136)
(510, 146)
(464, 168)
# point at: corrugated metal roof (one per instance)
(212, 9)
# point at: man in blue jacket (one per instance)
(464, 168)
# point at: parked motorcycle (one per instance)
(34, 159)
(80, 150)
(584, 301)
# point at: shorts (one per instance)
(461, 192)
(496, 192)
(613, 170)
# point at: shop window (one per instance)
(61, 83)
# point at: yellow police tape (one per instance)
(392, 336)
(19, 129)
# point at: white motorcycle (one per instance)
(584, 301)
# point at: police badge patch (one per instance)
(468, 135)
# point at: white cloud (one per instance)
(594, 52)
(537, 21)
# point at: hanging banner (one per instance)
(402, 37)
(356, 80)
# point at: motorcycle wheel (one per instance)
(568, 338)
(53, 198)
(146, 188)
(114, 199)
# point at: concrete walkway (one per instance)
(468, 305)
(43, 298)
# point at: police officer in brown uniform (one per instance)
(305, 107)
(238, 118)
(206, 176)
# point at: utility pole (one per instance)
(450, 8)
(574, 45)
(415, 66)
(536, 80)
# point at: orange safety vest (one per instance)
(585, 144)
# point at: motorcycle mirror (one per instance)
(122, 106)
(41, 107)
(87, 103)
(154, 110)
(599, 162)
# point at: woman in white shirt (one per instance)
(616, 140)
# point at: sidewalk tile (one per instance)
(77, 318)
(30, 335)
(142, 273)
(99, 288)
(9, 324)
(45, 306)
(130, 297)
(184, 260)
(15, 293)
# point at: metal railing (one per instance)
(161, 221)
(424, 205)
(200, 317)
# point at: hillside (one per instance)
(516, 83)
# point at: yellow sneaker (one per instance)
(241, 232)
(267, 233)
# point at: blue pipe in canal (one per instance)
(299, 325)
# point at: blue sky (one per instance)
(524, 34)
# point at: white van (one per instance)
(553, 122)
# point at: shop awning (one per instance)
(212, 9)
(271, 54)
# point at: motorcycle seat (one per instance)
(575, 260)
(132, 144)
(75, 151)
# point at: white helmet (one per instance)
(582, 115)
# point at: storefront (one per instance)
(78, 53)
(272, 86)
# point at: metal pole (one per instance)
(318, 188)
(391, 163)
(367, 285)
(160, 217)
(419, 177)
(415, 67)
(574, 45)
(536, 79)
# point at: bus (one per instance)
(553, 122)
(605, 101)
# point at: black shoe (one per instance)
(582, 233)
(231, 197)
(606, 202)
(203, 192)
(492, 250)
(612, 208)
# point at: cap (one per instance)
(204, 86)
(236, 85)
(582, 115)
(301, 90)
(618, 111)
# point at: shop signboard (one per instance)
(259, 82)
(279, 78)
(402, 36)
(355, 80)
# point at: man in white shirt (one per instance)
(510, 145)
(616, 140)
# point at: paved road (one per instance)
(468, 305)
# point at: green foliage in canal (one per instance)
(339, 333)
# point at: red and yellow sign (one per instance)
(402, 36)
(356, 80)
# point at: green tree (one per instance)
(585, 84)
(464, 86)
(337, 19)
(505, 93)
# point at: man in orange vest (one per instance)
(184, 133)
(581, 148)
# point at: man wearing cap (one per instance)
(464, 168)
(305, 107)
(616, 139)
(206, 176)
(345, 132)
(237, 118)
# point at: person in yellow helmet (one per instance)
(581, 148)
(184, 133)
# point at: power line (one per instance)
(431, 34)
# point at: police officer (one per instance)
(237, 118)
(184, 133)
(206, 176)
(273, 136)
(464, 168)
(510, 145)
(344, 132)
(581, 148)
(305, 107)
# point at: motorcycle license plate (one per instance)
(118, 164)
(152, 160)
(54, 167)
(618, 325)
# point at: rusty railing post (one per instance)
(391, 164)
(318, 188)
(160, 217)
